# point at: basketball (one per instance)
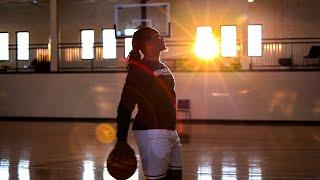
(122, 162)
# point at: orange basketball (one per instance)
(122, 162)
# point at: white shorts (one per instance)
(160, 150)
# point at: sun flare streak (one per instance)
(206, 45)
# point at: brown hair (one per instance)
(138, 39)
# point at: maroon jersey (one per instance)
(151, 86)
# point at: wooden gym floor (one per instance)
(71, 150)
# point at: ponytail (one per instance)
(138, 39)
(134, 55)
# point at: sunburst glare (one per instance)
(206, 45)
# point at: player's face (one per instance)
(158, 41)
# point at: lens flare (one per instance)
(105, 133)
(206, 46)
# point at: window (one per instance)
(109, 44)
(4, 46)
(128, 41)
(228, 41)
(87, 44)
(206, 45)
(23, 45)
(254, 40)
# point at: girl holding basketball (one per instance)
(150, 85)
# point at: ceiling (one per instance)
(22, 1)
(41, 1)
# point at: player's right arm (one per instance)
(126, 105)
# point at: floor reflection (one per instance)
(23, 170)
(255, 173)
(204, 172)
(9, 171)
(88, 173)
(229, 172)
(107, 176)
(213, 152)
(4, 169)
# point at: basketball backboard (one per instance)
(134, 16)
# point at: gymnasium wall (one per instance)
(217, 95)
(280, 18)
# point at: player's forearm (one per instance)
(123, 122)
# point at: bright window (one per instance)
(4, 169)
(254, 40)
(206, 46)
(87, 44)
(23, 45)
(228, 41)
(229, 172)
(109, 44)
(23, 170)
(255, 172)
(4, 46)
(204, 173)
(128, 41)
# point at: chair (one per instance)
(183, 107)
(4, 68)
(183, 128)
(314, 53)
(285, 62)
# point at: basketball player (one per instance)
(150, 85)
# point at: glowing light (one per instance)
(49, 49)
(128, 41)
(23, 45)
(228, 41)
(244, 91)
(99, 89)
(204, 173)
(103, 106)
(87, 44)
(283, 101)
(42, 54)
(255, 173)
(4, 46)
(23, 170)
(105, 133)
(88, 172)
(254, 40)
(4, 169)
(250, 1)
(280, 47)
(109, 44)
(220, 94)
(229, 172)
(206, 46)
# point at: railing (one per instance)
(70, 59)
(294, 49)
(37, 52)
